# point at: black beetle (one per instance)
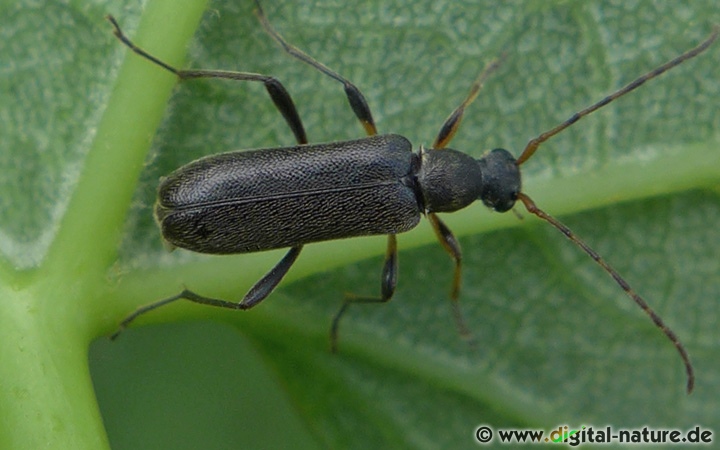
(250, 201)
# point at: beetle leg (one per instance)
(356, 99)
(255, 295)
(185, 294)
(452, 123)
(452, 247)
(387, 289)
(279, 95)
(269, 282)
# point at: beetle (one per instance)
(257, 200)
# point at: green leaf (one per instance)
(556, 340)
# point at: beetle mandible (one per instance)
(250, 201)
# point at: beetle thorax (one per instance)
(449, 180)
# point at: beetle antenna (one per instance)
(535, 143)
(533, 209)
